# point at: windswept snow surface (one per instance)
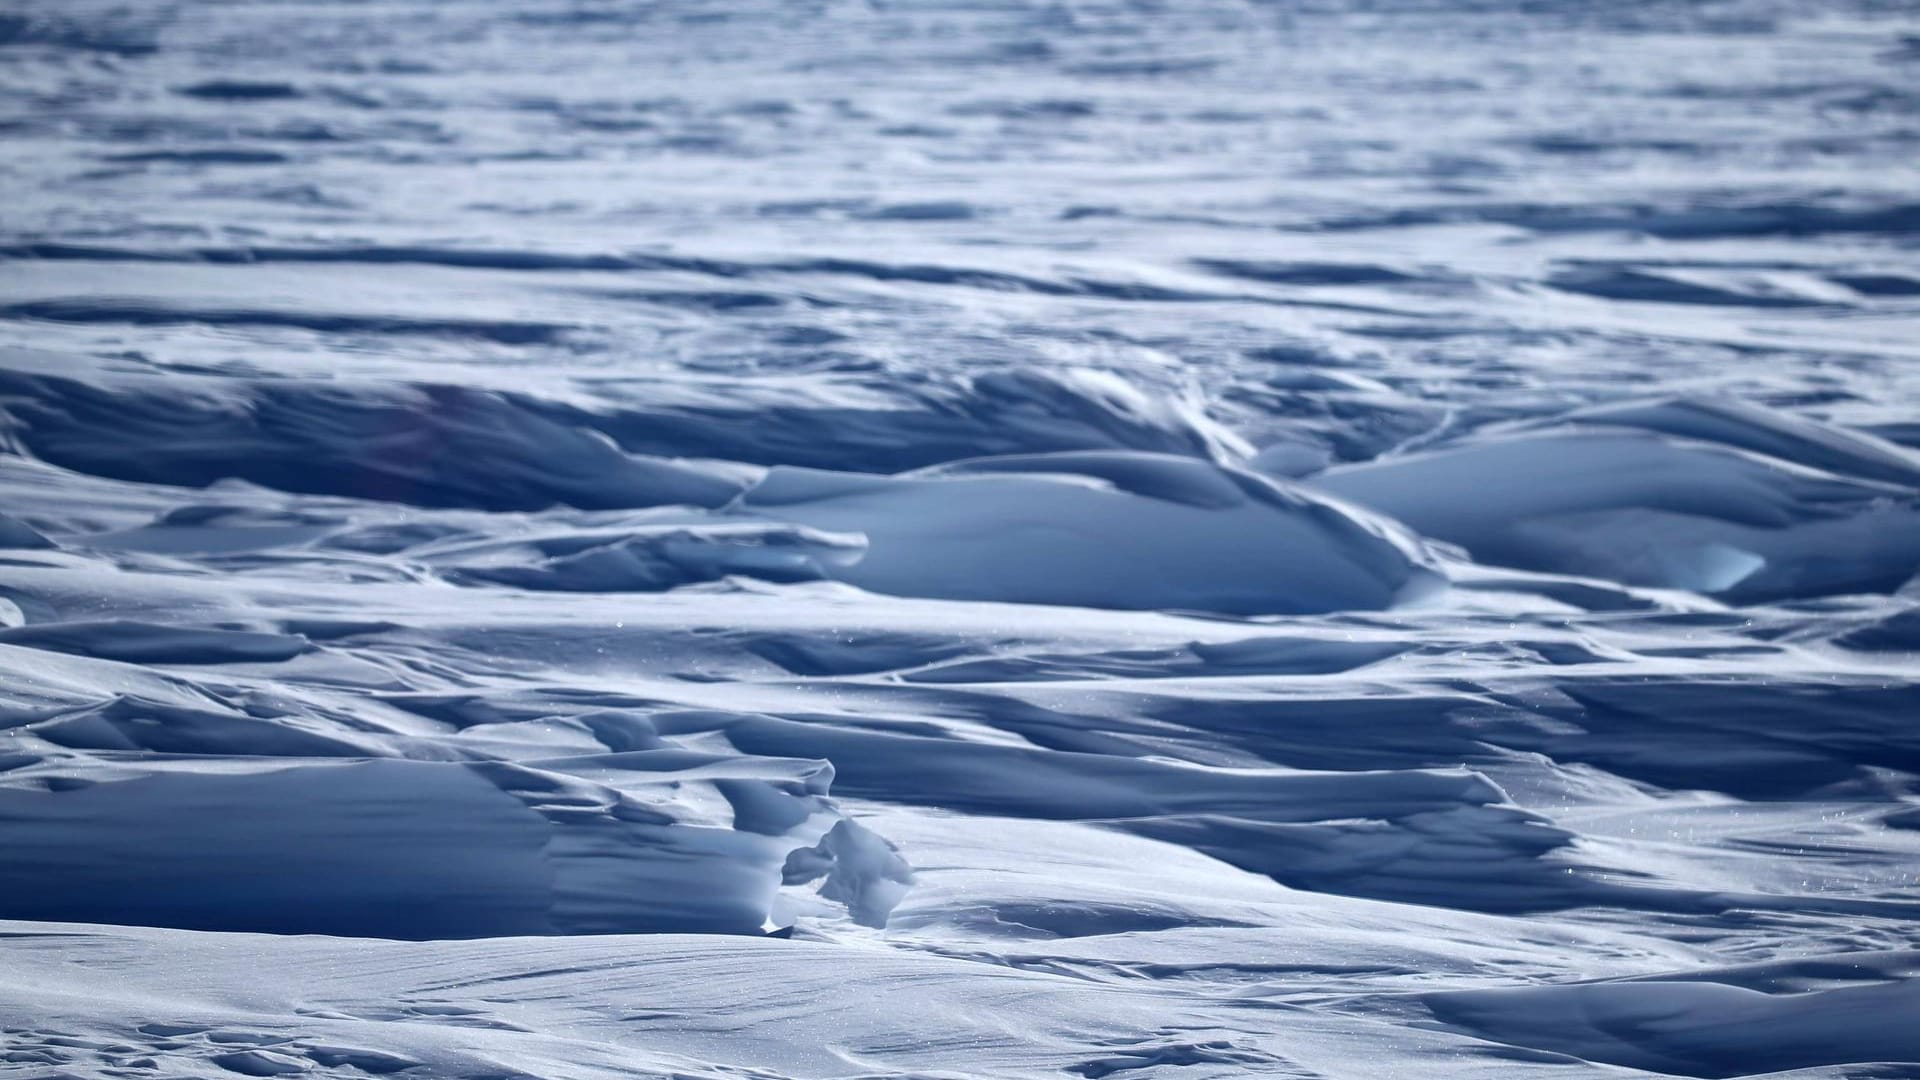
(580, 539)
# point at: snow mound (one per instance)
(1112, 530)
(1649, 509)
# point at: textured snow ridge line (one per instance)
(1762, 735)
(1111, 530)
(1065, 285)
(644, 558)
(134, 35)
(1758, 429)
(1397, 835)
(618, 443)
(1708, 221)
(295, 831)
(432, 446)
(149, 643)
(128, 312)
(1853, 1008)
(559, 551)
(888, 423)
(1729, 500)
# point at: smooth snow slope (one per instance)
(588, 538)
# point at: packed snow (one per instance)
(597, 539)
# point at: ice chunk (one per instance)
(863, 871)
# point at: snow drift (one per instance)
(1640, 495)
(1106, 530)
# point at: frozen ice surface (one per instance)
(582, 539)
